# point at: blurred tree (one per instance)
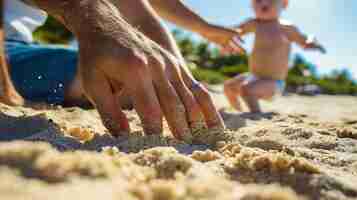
(53, 32)
(299, 67)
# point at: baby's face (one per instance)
(268, 9)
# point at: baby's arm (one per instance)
(246, 27)
(307, 42)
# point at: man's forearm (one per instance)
(178, 13)
(3, 67)
(4, 72)
(5, 80)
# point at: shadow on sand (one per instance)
(40, 129)
(235, 121)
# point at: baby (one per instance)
(268, 63)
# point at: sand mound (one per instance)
(67, 154)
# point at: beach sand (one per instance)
(302, 148)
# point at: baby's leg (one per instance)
(251, 92)
(232, 89)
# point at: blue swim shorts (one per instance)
(39, 72)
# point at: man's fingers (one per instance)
(209, 110)
(212, 117)
(142, 92)
(173, 108)
(99, 91)
(235, 44)
(238, 40)
(193, 110)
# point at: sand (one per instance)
(305, 148)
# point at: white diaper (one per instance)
(280, 84)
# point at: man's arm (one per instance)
(178, 13)
(29, 2)
(305, 41)
(8, 94)
(246, 27)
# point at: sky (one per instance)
(333, 22)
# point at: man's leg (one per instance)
(42, 73)
(251, 92)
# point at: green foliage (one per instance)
(215, 68)
(337, 83)
(206, 75)
(232, 71)
(53, 32)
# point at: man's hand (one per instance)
(228, 39)
(200, 109)
(177, 12)
(116, 59)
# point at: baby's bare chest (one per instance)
(271, 37)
